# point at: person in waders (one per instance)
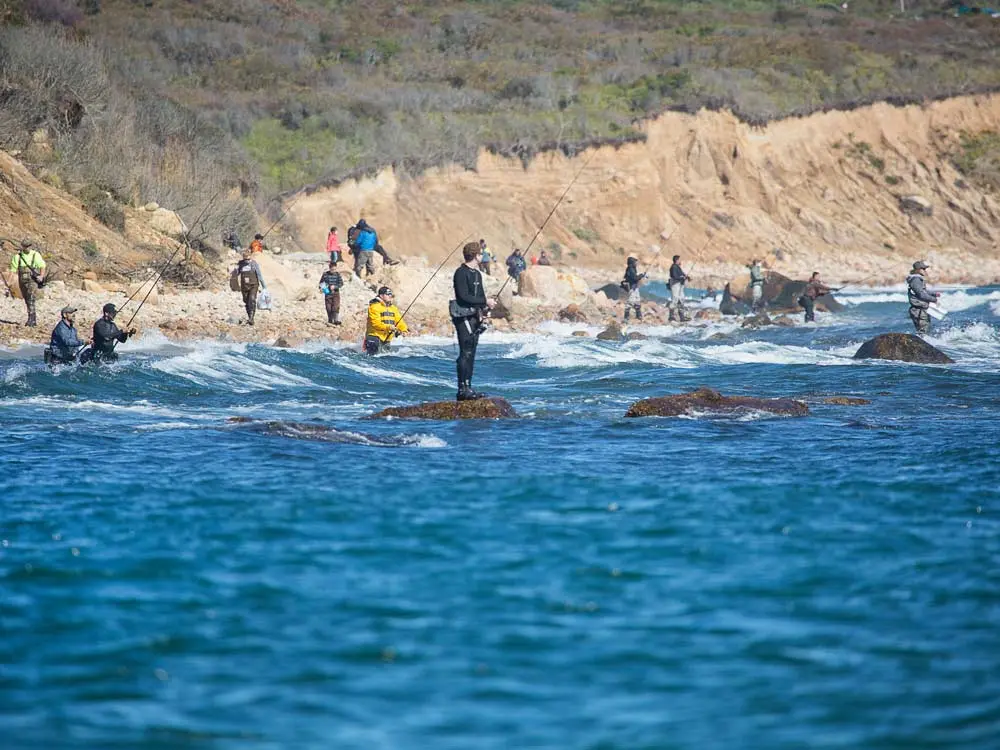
(251, 282)
(485, 257)
(330, 283)
(814, 289)
(107, 336)
(468, 312)
(30, 269)
(630, 285)
(756, 285)
(677, 281)
(65, 342)
(384, 322)
(919, 298)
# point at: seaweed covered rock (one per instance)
(707, 400)
(757, 321)
(484, 408)
(846, 401)
(904, 347)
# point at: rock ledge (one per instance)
(705, 399)
(485, 408)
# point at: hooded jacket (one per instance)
(916, 292)
(382, 318)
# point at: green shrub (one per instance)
(978, 158)
(585, 234)
(89, 248)
(892, 179)
(99, 204)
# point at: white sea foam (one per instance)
(210, 363)
(142, 407)
(954, 301)
(370, 367)
(995, 308)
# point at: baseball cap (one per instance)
(385, 290)
(110, 308)
(67, 310)
(920, 264)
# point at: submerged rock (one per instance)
(612, 333)
(757, 321)
(705, 399)
(572, 314)
(904, 347)
(323, 433)
(846, 401)
(484, 408)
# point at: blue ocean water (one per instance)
(572, 579)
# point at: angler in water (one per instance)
(468, 312)
(630, 284)
(30, 269)
(384, 322)
(814, 290)
(107, 336)
(756, 286)
(678, 279)
(920, 299)
(251, 281)
(65, 343)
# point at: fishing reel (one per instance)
(482, 322)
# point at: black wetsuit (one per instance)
(470, 297)
(106, 335)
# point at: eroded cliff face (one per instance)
(826, 192)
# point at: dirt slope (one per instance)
(824, 189)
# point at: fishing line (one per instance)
(551, 213)
(436, 270)
(166, 265)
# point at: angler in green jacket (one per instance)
(30, 269)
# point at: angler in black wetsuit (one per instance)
(468, 311)
(106, 336)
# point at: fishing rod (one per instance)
(187, 236)
(551, 213)
(436, 270)
(283, 215)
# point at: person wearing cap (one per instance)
(365, 241)
(630, 284)
(677, 281)
(815, 288)
(107, 335)
(251, 282)
(29, 266)
(330, 283)
(468, 311)
(65, 342)
(384, 322)
(920, 299)
(756, 285)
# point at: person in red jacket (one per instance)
(333, 246)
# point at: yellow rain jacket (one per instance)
(382, 318)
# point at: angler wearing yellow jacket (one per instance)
(384, 322)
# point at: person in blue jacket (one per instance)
(65, 342)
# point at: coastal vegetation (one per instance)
(174, 101)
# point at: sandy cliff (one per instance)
(826, 190)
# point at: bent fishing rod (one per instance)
(551, 213)
(187, 236)
(436, 270)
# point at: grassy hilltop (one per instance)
(168, 100)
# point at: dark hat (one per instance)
(632, 260)
(110, 308)
(68, 310)
(258, 236)
(362, 224)
(385, 290)
(26, 242)
(919, 265)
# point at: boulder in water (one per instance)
(846, 401)
(611, 291)
(707, 400)
(612, 333)
(483, 408)
(904, 347)
(757, 321)
(572, 314)
(581, 334)
(636, 336)
(782, 293)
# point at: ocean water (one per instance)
(571, 579)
